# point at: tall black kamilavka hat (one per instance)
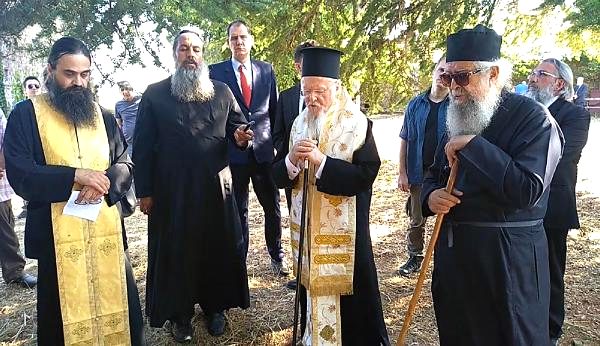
(477, 44)
(321, 62)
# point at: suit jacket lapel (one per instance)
(256, 75)
(234, 86)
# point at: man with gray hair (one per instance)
(490, 280)
(551, 84)
(195, 245)
(331, 141)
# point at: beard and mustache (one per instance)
(192, 85)
(76, 103)
(472, 116)
(541, 95)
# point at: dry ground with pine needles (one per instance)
(268, 321)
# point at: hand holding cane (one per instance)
(425, 265)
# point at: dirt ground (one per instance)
(268, 320)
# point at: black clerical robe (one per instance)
(41, 185)
(490, 281)
(361, 312)
(195, 251)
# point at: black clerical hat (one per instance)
(477, 44)
(321, 62)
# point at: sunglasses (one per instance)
(461, 78)
(542, 73)
(33, 86)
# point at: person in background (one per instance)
(255, 89)
(126, 112)
(551, 84)
(12, 262)
(581, 92)
(423, 128)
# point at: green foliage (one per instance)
(17, 87)
(585, 17)
(388, 44)
(3, 104)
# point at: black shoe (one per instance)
(413, 265)
(182, 333)
(23, 214)
(25, 281)
(216, 323)
(279, 268)
(292, 284)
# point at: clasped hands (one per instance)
(95, 184)
(306, 149)
(440, 201)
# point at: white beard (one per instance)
(472, 117)
(192, 85)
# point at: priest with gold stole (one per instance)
(340, 298)
(58, 145)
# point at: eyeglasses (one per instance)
(33, 86)
(318, 92)
(542, 73)
(461, 78)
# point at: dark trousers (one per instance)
(268, 197)
(11, 261)
(49, 317)
(557, 256)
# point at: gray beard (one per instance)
(543, 96)
(472, 117)
(192, 85)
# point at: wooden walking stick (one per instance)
(434, 235)
(300, 252)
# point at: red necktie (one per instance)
(246, 91)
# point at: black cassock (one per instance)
(41, 185)
(490, 281)
(361, 312)
(194, 255)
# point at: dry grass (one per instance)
(268, 320)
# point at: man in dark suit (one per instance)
(551, 83)
(253, 85)
(581, 92)
(289, 105)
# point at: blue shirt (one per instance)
(127, 112)
(413, 132)
(521, 89)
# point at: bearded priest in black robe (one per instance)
(59, 145)
(339, 293)
(490, 280)
(195, 244)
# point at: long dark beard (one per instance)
(75, 103)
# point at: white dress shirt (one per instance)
(247, 71)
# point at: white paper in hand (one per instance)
(86, 210)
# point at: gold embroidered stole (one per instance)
(328, 254)
(90, 259)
